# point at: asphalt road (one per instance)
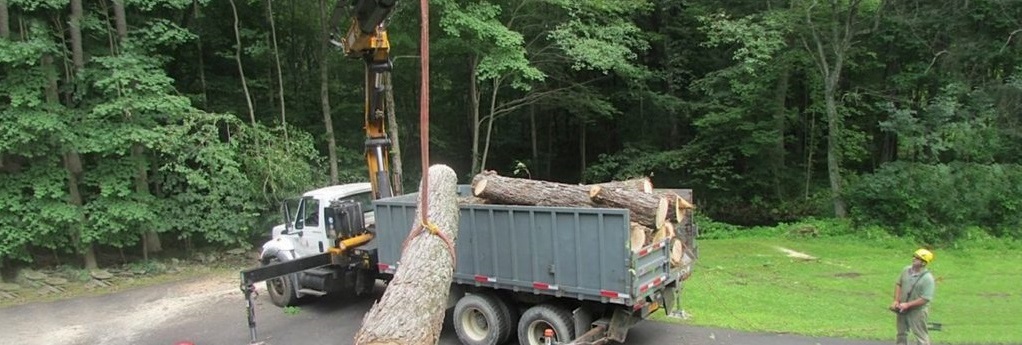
(212, 312)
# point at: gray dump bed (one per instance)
(581, 253)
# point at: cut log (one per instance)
(640, 184)
(637, 236)
(411, 311)
(646, 209)
(677, 252)
(517, 191)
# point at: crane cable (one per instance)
(425, 223)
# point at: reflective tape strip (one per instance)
(652, 247)
(544, 286)
(652, 284)
(613, 294)
(485, 279)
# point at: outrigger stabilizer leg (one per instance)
(249, 289)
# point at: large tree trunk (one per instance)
(516, 191)
(411, 311)
(650, 210)
(324, 91)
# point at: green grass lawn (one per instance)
(751, 284)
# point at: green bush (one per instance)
(938, 203)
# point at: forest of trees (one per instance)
(134, 125)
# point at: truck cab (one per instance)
(306, 230)
(305, 238)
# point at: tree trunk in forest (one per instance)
(202, 62)
(5, 25)
(490, 119)
(830, 61)
(121, 20)
(324, 91)
(150, 239)
(241, 69)
(280, 74)
(517, 191)
(650, 210)
(582, 150)
(412, 309)
(72, 159)
(833, 149)
(534, 138)
(473, 95)
(777, 164)
(397, 170)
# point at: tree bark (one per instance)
(121, 20)
(280, 74)
(397, 167)
(642, 184)
(517, 191)
(473, 95)
(411, 311)
(202, 62)
(5, 22)
(646, 209)
(324, 91)
(241, 69)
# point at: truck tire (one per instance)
(281, 289)
(480, 319)
(541, 317)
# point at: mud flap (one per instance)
(620, 323)
(669, 301)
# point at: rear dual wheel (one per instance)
(536, 320)
(482, 319)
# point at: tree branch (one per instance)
(935, 56)
(1008, 41)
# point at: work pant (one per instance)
(913, 320)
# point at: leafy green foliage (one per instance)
(937, 203)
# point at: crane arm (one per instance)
(366, 38)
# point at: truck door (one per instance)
(310, 235)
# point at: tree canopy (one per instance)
(127, 123)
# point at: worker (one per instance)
(913, 292)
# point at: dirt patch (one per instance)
(796, 255)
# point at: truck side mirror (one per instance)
(285, 212)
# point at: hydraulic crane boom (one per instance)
(366, 38)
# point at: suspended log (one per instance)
(646, 209)
(411, 311)
(518, 191)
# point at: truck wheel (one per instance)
(281, 289)
(480, 320)
(541, 317)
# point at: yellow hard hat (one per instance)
(924, 255)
